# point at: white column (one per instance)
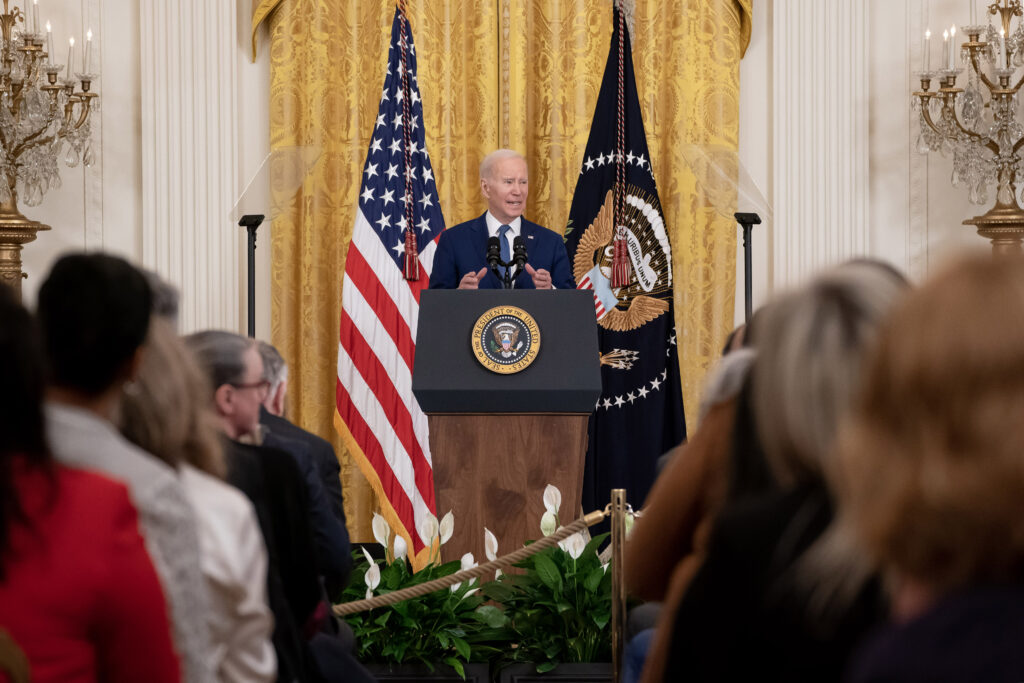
(820, 136)
(189, 160)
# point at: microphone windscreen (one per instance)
(519, 251)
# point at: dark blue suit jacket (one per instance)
(463, 249)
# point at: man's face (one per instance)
(247, 395)
(506, 189)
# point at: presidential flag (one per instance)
(387, 266)
(620, 250)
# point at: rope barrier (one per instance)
(479, 571)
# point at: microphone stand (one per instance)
(747, 221)
(251, 223)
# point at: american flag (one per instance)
(381, 421)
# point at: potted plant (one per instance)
(441, 636)
(558, 609)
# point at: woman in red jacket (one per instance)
(78, 593)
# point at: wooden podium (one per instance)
(496, 440)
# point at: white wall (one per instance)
(825, 97)
(182, 126)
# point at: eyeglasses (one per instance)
(262, 387)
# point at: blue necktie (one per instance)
(506, 251)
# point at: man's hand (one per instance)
(541, 278)
(472, 280)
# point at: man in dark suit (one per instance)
(275, 371)
(461, 257)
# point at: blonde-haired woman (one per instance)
(780, 596)
(933, 478)
(165, 413)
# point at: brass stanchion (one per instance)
(618, 521)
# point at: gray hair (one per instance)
(811, 348)
(487, 165)
(275, 370)
(811, 345)
(220, 354)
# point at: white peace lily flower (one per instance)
(381, 530)
(574, 545)
(548, 523)
(605, 567)
(447, 527)
(470, 592)
(552, 499)
(428, 529)
(490, 545)
(372, 576)
(467, 562)
(401, 548)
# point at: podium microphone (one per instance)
(494, 255)
(518, 255)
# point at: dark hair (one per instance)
(94, 313)
(21, 405)
(220, 355)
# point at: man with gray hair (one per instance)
(460, 260)
(275, 372)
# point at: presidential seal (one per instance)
(505, 339)
(650, 290)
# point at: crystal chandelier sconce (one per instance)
(977, 124)
(45, 112)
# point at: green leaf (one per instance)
(457, 665)
(462, 647)
(499, 592)
(544, 667)
(548, 572)
(593, 580)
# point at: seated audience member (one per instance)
(270, 479)
(330, 532)
(275, 371)
(94, 312)
(79, 596)
(167, 413)
(781, 595)
(933, 479)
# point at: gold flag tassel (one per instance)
(411, 267)
(620, 255)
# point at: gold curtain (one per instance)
(493, 73)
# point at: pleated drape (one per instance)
(493, 73)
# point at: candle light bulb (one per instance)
(87, 57)
(927, 50)
(49, 44)
(71, 55)
(952, 47)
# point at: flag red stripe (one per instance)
(398, 414)
(363, 435)
(383, 305)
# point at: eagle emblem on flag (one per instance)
(647, 295)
